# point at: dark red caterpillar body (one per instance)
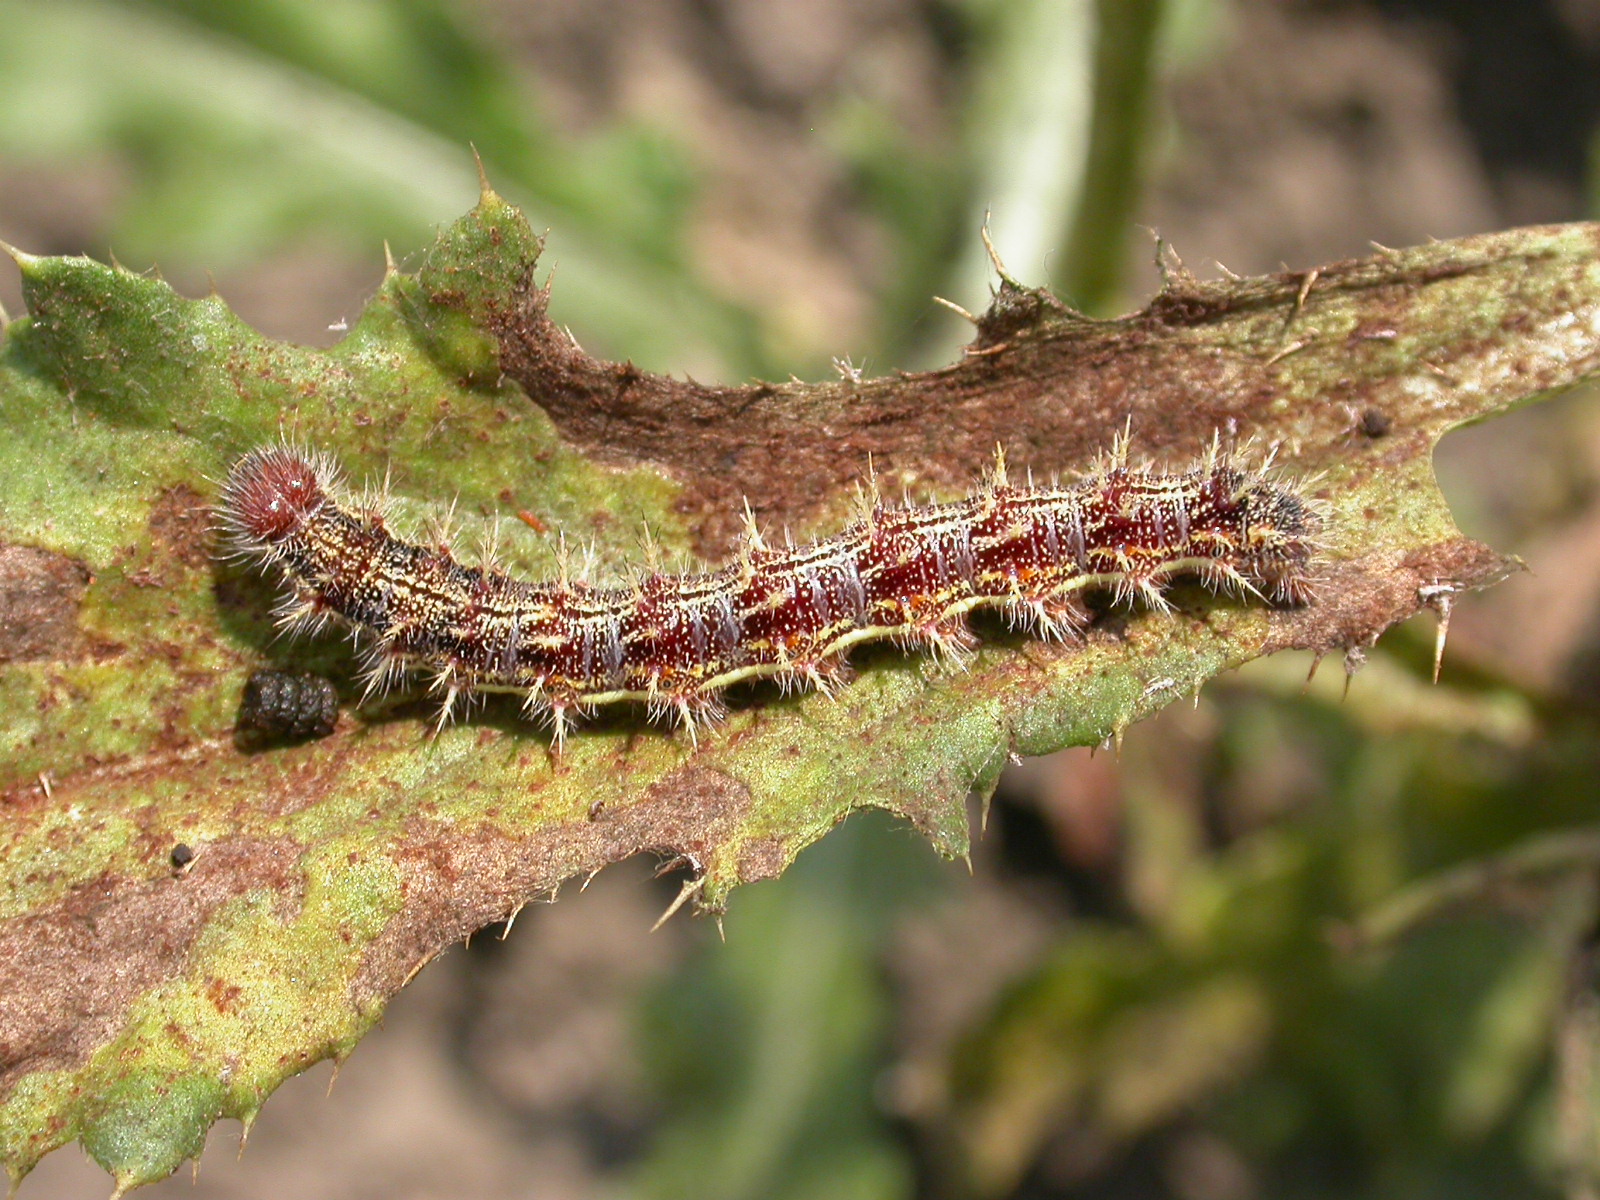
(675, 641)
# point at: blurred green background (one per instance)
(1290, 943)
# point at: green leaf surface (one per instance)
(139, 1003)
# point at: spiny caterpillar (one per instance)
(908, 573)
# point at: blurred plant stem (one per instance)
(1090, 276)
(1058, 137)
(1546, 854)
(1028, 132)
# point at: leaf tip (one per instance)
(22, 258)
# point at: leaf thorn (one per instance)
(485, 191)
(1441, 597)
(994, 255)
(955, 308)
(691, 887)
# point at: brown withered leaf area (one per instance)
(69, 970)
(181, 523)
(1052, 386)
(460, 885)
(328, 873)
(39, 597)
